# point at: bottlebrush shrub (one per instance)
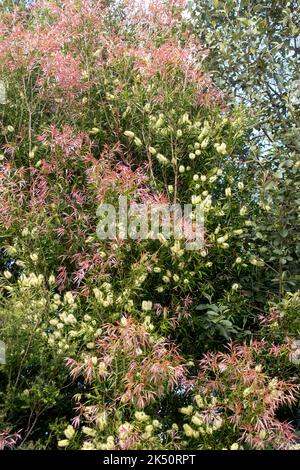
(135, 365)
(130, 369)
(236, 402)
(234, 406)
(100, 105)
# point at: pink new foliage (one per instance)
(153, 367)
(26, 47)
(8, 440)
(65, 70)
(247, 396)
(64, 140)
(55, 51)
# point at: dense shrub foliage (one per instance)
(138, 344)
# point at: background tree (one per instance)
(254, 53)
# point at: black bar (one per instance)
(137, 459)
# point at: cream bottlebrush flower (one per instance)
(51, 280)
(70, 319)
(192, 156)
(34, 257)
(25, 232)
(176, 249)
(68, 298)
(146, 305)
(207, 202)
(159, 122)
(188, 431)
(94, 130)
(11, 250)
(243, 210)
(88, 446)
(141, 416)
(228, 192)
(102, 369)
(101, 420)
(197, 420)
(98, 332)
(156, 423)
(7, 275)
(110, 443)
(129, 134)
(181, 169)
(69, 432)
(195, 199)
(110, 96)
(257, 262)
(185, 118)
(152, 150)
(63, 443)
(89, 431)
(125, 429)
(222, 239)
(97, 293)
(187, 410)
(138, 142)
(162, 159)
(20, 263)
(221, 148)
(218, 422)
(149, 429)
(199, 401)
(162, 239)
(204, 132)
(205, 143)
(235, 286)
(234, 446)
